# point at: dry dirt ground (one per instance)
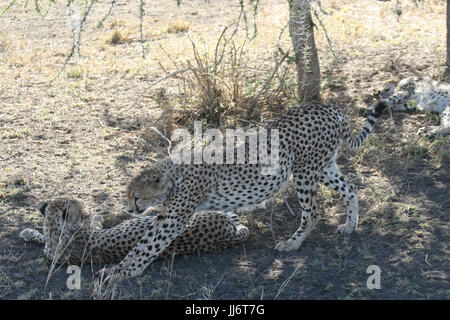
(83, 135)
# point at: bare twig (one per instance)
(170, 274)
(165, 138)
(156, 82)
(285, 282)
(7, 7)
(77, 39)
(271, 226)
(426, 258)
(269, 79)
(287, 204)
(100, 23)
(330, 44)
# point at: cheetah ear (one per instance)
(42, 206)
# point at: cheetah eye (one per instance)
(158, 180)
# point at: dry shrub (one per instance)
(222, 89)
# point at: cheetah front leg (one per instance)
(163, 231)
(334, 179)
(32, 235)
(169, 224)
(306, 192)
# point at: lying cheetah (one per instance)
(309, 138)
(70, 236)
(422, 94)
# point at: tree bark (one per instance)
(447, 60)
(307, 60)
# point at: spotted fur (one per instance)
(309, 138)
(70, 236)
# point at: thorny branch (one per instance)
(100, 23)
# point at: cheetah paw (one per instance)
(285, 246)
(345, 229)
(430, 133)
(27, 234)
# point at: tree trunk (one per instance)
(447, 61)
(307, 60)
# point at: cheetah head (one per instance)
(149, 188)
(388, 89)
(62, 217)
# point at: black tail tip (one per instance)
(379, 108)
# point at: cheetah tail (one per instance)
(355, 142)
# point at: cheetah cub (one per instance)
(423, 94)
(70, 236)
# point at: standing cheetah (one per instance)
(69, 236)
(309, 138)
(422, 94)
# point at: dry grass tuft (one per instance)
(74, 73)
(117, 37)
(178, 26)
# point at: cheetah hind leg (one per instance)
(334, 179)
(306, 194)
